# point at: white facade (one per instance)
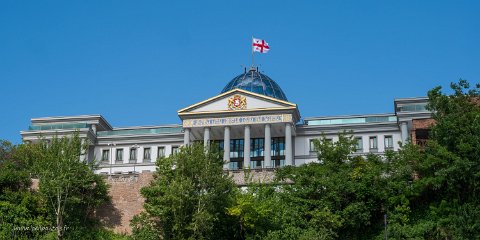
(278, 136)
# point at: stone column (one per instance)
(288, 144)
(267, 153)
(186, 136)
(246, 147)
(83, 152)
(404, 132)
(206, 137)
(226, 147)
(94, 128)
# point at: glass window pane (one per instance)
(119, 155)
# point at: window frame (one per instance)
(359, 140)
(311, 145)
(106, 157)
(175, 149)
(375, 147)
(121, 155)
(149, 157)
(158, 151)
(134, 150)
(385, 142)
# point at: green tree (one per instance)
(443, 201)
(258, 209)
(68, 184)
(265, 211)
(20, 208)
(188, 198)
(341, 196)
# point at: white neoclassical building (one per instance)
(251, 120)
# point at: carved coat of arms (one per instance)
(237, 102)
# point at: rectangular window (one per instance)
(256, 147)
(359, 145)
(313, 148)
(161, 152)
(373, 143)
(278, 147)
(105, 155)
(256, 164)
(119, 155)
(236, 154)
(278, 152)
(312, 145)
(279, 163)
(146, 154)
(175, 149)
(236, 149)
(388, 142)
(234, 165)
(133, 154)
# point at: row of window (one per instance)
(256, 164)
(257, 152)
(133, 153)
(372, 143)
(257, 147)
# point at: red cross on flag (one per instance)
(259, 45)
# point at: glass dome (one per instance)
(256, 82)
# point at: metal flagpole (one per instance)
(253, 54)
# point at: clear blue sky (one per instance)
(138, 62)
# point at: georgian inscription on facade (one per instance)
(227, 121)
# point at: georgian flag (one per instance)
(260, 45)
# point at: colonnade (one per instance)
(246, 146)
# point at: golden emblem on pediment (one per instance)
(237, 102)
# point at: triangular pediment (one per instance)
(237, 100)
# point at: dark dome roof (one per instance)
(256, 82)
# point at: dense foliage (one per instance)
(429, 192)
(67, 195)
(341, 197)
(67, 183)
(188, 198)
(20, 208)
(443, 201)
(423, 192)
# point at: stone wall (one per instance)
(256, 175)
(420, 124)
(126, 200)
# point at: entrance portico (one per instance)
(259, 153)
(257, 135)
